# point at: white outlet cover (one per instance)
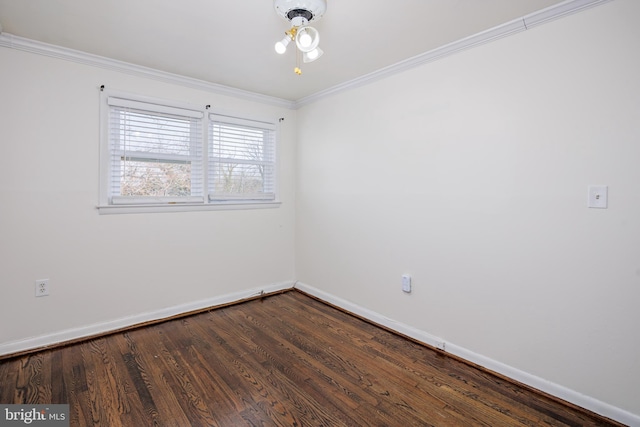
(42, 288)
(598, 196)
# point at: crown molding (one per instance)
(559, 10)
(517, 25)
(524, 23)
(20, 43)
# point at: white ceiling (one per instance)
(230, 42)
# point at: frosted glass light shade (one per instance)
(313, 55)
(307, 39)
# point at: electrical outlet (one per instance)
(42, 287)
(598, 196)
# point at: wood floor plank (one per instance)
(282, 364)
(345, 374)
(385, 368)
(159, 375)
(452, 374)
(240, 359)
(285, 360)
(389, 379)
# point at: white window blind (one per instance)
(241, 159)
(156, 153)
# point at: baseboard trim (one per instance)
(72, 335)
(548, 387)
(68, 336)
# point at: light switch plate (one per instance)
(406, 283)
(598, 195)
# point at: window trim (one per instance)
(127, 204)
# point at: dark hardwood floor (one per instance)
(286, 360)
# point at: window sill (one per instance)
(185, 207)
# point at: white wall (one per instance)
(471, 174)
(108, 267)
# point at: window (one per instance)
(154, 154)
(241, 159)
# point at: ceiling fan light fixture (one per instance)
(300, 13)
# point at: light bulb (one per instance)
(305, 39)
(281, 46)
